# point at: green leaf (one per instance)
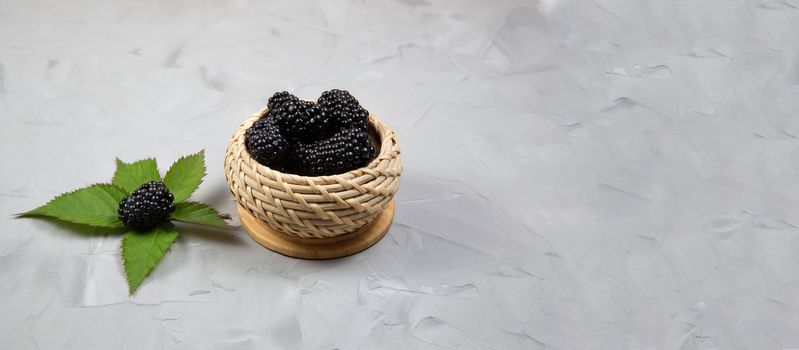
(141, 251)
(185, 175)
(130, 176)
(198, 213)
(95, 205)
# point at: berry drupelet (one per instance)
(147, 206)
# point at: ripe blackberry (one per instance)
(266, 144)
(301, 121)
(275, 102)
(346, 150)
(343, 109)
(266, 121)
(279, 98)
(147, 206)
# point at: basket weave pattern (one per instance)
(314, 206)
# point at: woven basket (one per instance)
(315, 206)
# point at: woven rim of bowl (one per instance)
(314, 206)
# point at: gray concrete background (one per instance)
(607, 174)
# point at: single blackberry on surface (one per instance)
(266, 144)
(343, 109)
(346, 150)
(147, 206)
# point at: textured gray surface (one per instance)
(579, 174)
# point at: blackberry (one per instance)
(346, 150)
(266, 144)
(343, 109)
(279, 98)
(147, 206)
(301, 121)
(306, 138)
(273, 115)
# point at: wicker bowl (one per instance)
(315, 207)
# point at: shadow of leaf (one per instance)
(211, 234)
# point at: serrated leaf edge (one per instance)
(118, 160)
(125, 263)
(208, 206)
(202, 178)
(31, 213)
(116, 170)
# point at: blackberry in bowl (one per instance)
(314, 180)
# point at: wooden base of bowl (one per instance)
(317, 248)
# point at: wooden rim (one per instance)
(317, 248)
